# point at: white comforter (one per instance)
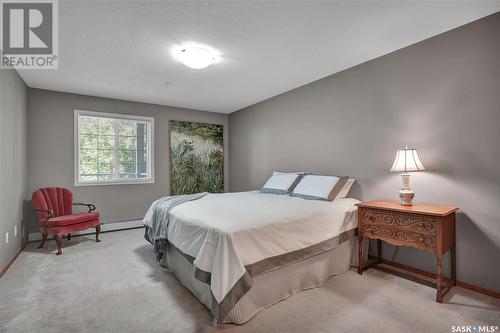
(225, 232)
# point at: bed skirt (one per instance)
(271, 287)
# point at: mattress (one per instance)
(231, 238)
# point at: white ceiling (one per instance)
(120, 49)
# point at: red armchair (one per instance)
(55, 211)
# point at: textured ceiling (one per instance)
(120, 49)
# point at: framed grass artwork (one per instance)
(196, 158)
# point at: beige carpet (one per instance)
(116, 286)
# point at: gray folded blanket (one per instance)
(157, 219)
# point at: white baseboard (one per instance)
(105, 227)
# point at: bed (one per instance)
(242, 252)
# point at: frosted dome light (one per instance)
(195, 56)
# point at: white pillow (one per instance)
(288, 173)
(345, 190)
(280, 183)
(317, 187)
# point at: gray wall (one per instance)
(13, 108)
(50, 150)
(441, 96)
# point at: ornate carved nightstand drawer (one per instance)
(400, 236)
(419, 223)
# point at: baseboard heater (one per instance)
(105, 227)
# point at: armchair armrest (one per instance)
(90, 206)
(48, 211)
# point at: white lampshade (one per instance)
(407, 160)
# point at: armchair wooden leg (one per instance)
(69, 236)
(97, 232)
(59, 239)
(44, 238)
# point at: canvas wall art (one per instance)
(196, 157)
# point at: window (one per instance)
(113, 149)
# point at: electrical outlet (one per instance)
(6, 238)
(15, 230)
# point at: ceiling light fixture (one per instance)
(195, 56)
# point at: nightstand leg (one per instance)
(439, 278)
(360, 255)
(453, 258)
(379, 251)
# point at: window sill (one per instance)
(136, 182)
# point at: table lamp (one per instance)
(406, 161)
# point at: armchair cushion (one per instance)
(76, 218)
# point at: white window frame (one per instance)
(122, 181)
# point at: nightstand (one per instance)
(425, 227)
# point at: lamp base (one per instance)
(406, 197)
